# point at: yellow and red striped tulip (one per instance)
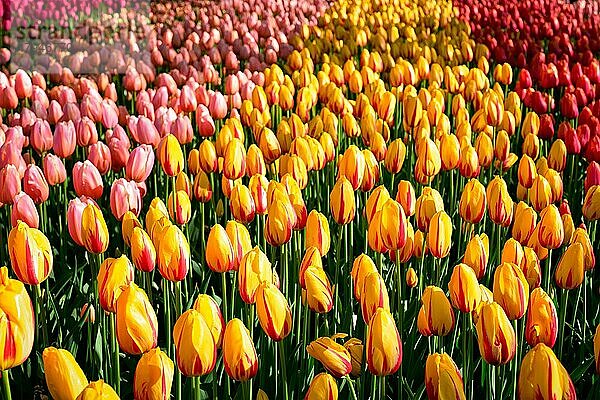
(241, 243)
(274, 313)
(495, 335)
(143, 252)
(94, 232)
(542, 323)
(153, 376)
(173, 254)
(543, 376)
(322, 387)
(551, 231)
(137, 326)
(472, 202)
(335, 358)
(436, 316)
(30, 254)
(393, 225)
(114, 275)
(239, 354)
(439, 237)
(342, 201)
(98, 390)
(500, 205)
(442, 378)
(319, 293)
(570, 270)
(219, 250)
(64, 377)
(373, 295)
(195, 349)
(384, 346)
(511, 290)
(211, 313)
(170, 155)
(464, 288)
(317, 232)
(255, 269)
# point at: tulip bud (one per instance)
(140, 163)
(143, 252)
(477, 254)
(570, 269)
(54, 169)
(542, 323)
(551, 230)
(153, 376)
(542, 375)
(64, 377)
(436, 316)
(30, 254)
(472, 202)
(273, 311)
(394, 157)
(412, 280)
(87, 180)
(211, 313)
(525, 222)
(219, 251)
(355, 348)
(98, 390)
(406, 197)
(375, 202)
(323, 386)
(195, 348)
(335, 358)
(115, 274)
(383, 347)
(239, 354)
(442, 378)
(342, 201)
(511, 290)
(373, 296)
(464, 288)
(393, 225)
(540, 194)
(170, 155)
(319, 296)
(137, 327)
(440, 235)
(352, 166)
(500, 205)
(527, 171)
(317, 232)
(495, 335)
(428, 204)
(94, 233)
(124, 196)
(180, 207)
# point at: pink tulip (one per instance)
(144, 131)
(24, 209)
(217, 106)
(55, 112)
(140, 163)
(23, 85)
(86, 132)
(90, 107)
(10, 183)
(54, 169)
(35, 185)
(187, 100)
(71, 112)
(99, 154)
(204, 121)
(182, 129)
(74, 211)
(124, 196)
(87, 180)
(119, 153)
(64, 139)
(40, 136)
(110, 114)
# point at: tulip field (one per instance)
(299, 199)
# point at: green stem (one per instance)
(224, 296)
(177, 314)
(283, 369)
(42, 310)
(351, 385)
(563, 316)
(6, 385)
(166, 297)
(116, 361)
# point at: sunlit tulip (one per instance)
(543, 376)
(342, 201)
(239, 354)
(254, 269)
(379, 196)
(383, 347)
(274, 313)
(542, 322)
(24, 209)
(54, 169)
(393, 225)
(591, 203)
(87, 180)
(195, 349)
(495, 335)
(173, 254)
(317, 232)
(242, 204)
(527, 172)
(140, 163)
(98, 390)
(525, 222)
(335, 358)
(280, 222)
(170, 155)
(241, 243)
(219, 251)
(124, 196)
(428, 204)
(442, 378)
(115, 274)
(319, 293)
(464, 288)
(472, 202)
(180, 207)
(17, 322)
(211, 313)
(143, 253)
(512, 252)
(64, 377)
(570, 269)
(436, 316)
(352, 166)
(500, 205)
(355, 348)
(551, 230)
(137, 327)
(30, 254)
(511, 290)
(153, 376)
(373, 295)
(440, 235)
(406, 197)
(540, 193)
(234, 160)
(322, 386)
(94, 233)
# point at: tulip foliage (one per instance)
(354, 199)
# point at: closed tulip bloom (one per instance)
(17, 322)
(591, 203)
(180, 207)
(94, 233)
(469, 162)
(137, 327)
(140, 163)
(355, 348)
(362, 266)
(311, 258)
(525, 222)
(542, 322)
(436, 316)
(211, 313)
(412, 279)
(342, 201)
(511, 290)
(472, 202)
(64, 139)
(383, 346)
(557, 156)
(128, 223)
(442, 378)
(74, 213)
(412, 111)
(323, 386)
(219, 251)
(527, 171)
(543, 376)
(428, 204)
(581, 235)
(495, 335)
(124, 196)
(241, 243)
(449, 152)
(24, 209)
(540, 194)
(10, 183)
(98, 390)
(87, 180)
(512, 252)
(464, 288)
(319, 294)
(570, 269)
(406, 197)
(428, 162)
(274, 313)
(374, 234)
(254, 269)
(242, 204)
(115, 274)
(40, 136)
(280, 222)
(335, 358)
(379, 196)
(208, 156)
(54, 169)
(373, 295)
(170, 155)
(477, 254)
(439, 238)
(500, 205)
(352, 165)
(393, 225)
(34, 184)
(64, 377)
(531, 267)
(30, 254)
(153, 376)
(551, 231)
(258, 189)
(239, 354)
(202, 188)
(195, 349)
(234, 160)
(143, 253)
(173, 254)
(317, 232)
